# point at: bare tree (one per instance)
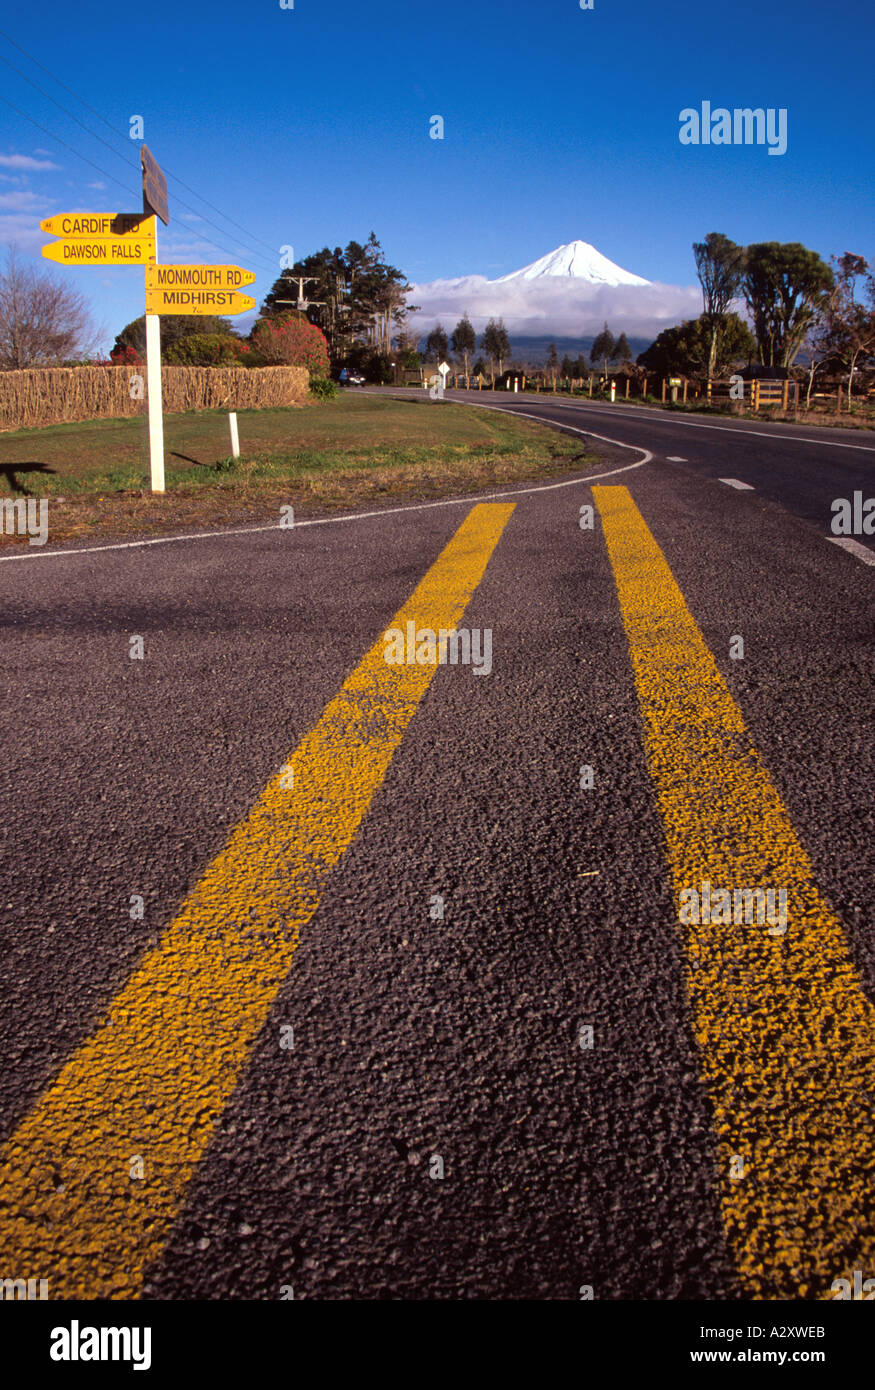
(42, 320)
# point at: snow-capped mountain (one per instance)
(578, 260)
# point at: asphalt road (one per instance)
(410, 1012)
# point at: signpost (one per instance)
(128, 250)
(197, 302)
(128, 238)
(154, 187)
(214, 277)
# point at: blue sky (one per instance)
(311, 126)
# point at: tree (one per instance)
(495, 343)
(685, 350)
(785, 286)
(848, 335)
(622, 352)
(174, 328)
(567, 368)
(352, 294)
(290, 341)
(552, 361)
(437, 344)
(464, 339)
(42, 320)
(720, 268)
(205, 350)
(603, 347)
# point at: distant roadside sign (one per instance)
(84, 226)
(675, 381)
(130, 250)
(443, 369)
(193, 301)
(154, 186)
(207, 277)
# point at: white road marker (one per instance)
(735, 482)
(363, 516)
(853, 547)
(675, 458)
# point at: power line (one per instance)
(209, 221)
(107, 175)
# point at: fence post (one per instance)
(785, 399)
(235, 437)
(685, 390)
(663, 390)
(627, 388)
(590, 387)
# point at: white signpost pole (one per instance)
(153, 391)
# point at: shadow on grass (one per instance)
(10, 472)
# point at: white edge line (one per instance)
(853, 547)
(673, 418)
(364, 516)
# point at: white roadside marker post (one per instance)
(235, 438)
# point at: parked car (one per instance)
(348, 378)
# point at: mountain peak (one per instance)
(580, 261)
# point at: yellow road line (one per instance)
(786, 1033)
(152, 1082)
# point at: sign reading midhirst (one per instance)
(128, 238)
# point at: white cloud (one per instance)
(25, 161)
(97, 184)
(21, 230)
(24, 201)
(560, 305)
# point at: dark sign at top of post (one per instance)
(154, 187)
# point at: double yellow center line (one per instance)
(143, 1095)
(786, 1032)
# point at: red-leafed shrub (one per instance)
(125, 357)
(291, 342)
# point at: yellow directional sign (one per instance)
(192, 301)
(84, 226)
(198, 277)
(129, 250)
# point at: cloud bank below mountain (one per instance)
(561, 305)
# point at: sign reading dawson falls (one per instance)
(128, 238)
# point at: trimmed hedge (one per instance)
(55, 395)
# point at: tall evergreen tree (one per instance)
(464, 339)
(437, 343)
(603, 348)
(495, 343)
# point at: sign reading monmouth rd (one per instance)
(109, 251)
(86, 225)
(194, 301)
(154, 187)
(210, 277)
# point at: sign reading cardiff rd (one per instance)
(192, 301)
(199, 277)
(154, 187)
(84, 226)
